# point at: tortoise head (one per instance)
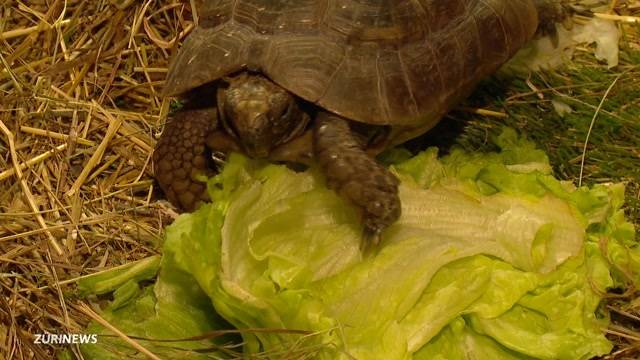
(259, 114)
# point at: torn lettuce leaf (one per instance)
(493, 258)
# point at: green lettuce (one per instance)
(492, 258)
(174, 308)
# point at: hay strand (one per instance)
(136, 345)
(27, 190)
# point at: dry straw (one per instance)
(79, 114)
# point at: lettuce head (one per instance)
(492, 258)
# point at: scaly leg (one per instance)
(181, 157)
(356, 176)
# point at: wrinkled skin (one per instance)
(355, 175)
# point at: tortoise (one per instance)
(335, 81)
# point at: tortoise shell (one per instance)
(384, 62)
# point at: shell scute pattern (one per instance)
(402, 62)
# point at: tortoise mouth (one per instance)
(255, 150)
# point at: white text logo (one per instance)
(66, 339)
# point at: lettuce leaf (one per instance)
(174, 308)
(493, 258)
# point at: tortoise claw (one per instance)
(370, 240)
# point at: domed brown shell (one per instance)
(393, 62)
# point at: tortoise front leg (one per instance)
(356, 176)
(181, 157)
